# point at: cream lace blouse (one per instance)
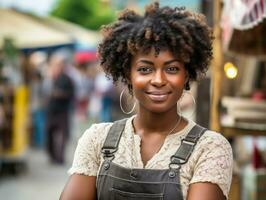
(211, 160)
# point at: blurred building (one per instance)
(239, 91)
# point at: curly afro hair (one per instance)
(184, 33)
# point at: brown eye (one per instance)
(172, 69)
(144, 69)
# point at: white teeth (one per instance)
(158, 97)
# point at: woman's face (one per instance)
(157, 81)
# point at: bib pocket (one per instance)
(122, 195)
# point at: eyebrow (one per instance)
(146, 61)
(171, 61)
(165, 63)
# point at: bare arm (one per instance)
(205, 191)
(80, 187)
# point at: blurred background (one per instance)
(52, 88)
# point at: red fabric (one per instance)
(85, 56)
(257, 161)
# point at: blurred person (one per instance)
(104, 89)
(58, 108)
(94, 108)
(156, 153)
(37, 95)
(37, 109)
(83, 86)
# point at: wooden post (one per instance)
(216, 68)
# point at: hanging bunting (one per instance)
(243, 14)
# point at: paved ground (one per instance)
(41, 179)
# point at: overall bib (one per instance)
(115, 182)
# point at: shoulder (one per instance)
(212, 147)
(209, 139)
(98, 128)
(212, 141)
(213, 161)
(87, 154)
(96, 133)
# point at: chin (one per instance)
(160, 108)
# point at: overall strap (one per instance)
(187, 146)
(111, 142)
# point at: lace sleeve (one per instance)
(215, 163)
(86, 159)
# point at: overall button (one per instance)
(106, 165)
(172, 174)
(133, 174)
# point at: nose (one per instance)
(158, 79)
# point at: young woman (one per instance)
(157, 153)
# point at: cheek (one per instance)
(138, 87)
(178, 82)
(138, 82)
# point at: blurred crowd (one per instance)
(63, 91)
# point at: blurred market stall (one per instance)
(27, 33)
(21, 35)
(239, 90)
(85, 41)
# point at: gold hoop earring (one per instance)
(121, 106)
(179, 111)
(193, 100)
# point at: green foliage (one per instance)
(88, 13)
(9, 50)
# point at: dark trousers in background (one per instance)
(57, 130)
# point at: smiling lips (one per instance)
(158, 96)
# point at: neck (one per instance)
(148, 122)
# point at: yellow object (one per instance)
(19, 122)
(230, 70)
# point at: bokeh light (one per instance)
(230, 70)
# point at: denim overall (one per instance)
(115, 182)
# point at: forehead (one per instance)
(164, 54)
